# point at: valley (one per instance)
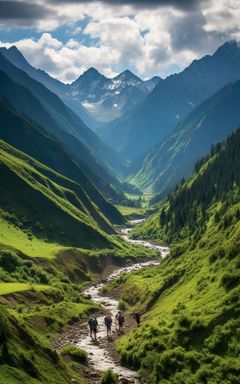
(119, 191)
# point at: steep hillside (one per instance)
(190, 331)
(24, 358)
(19, 132)
(25, 102)
(65, 124)
(172, 100)
(47, 206)
(175, 156)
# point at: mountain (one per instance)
(107, 99)
(191, 300)
(47, 109)
(26, 136)
(103, 98)
(171, 101)
(48, 206)
(65, 118)
(62, 90)
(175, 156)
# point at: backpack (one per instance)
(94, 323)
(120, 318)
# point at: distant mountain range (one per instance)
(174, 158)
(171, 101)
(164, 127)
(92, 96)
(106, 99)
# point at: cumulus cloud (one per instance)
(65, 61)
(151, 37)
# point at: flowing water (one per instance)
(99, 356)
(126, 235)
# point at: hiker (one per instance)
(120, 320)
(90, 326)
(137, 317)
(95, 327)
(108, 324)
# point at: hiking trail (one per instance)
(99, 357)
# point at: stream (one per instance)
(99, 356)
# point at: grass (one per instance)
(6, 288)
(27, 359)
(189, 331)
(76, 354)
(49, 206)
(53, 317)
(109, 377)
(52, 242)
(26, 242)
(131, 212)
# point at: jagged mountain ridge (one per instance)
(106, 98)
(92, 94)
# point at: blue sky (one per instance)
(154, 37)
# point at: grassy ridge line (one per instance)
(6, 288)
(68, 189)
(27, 136)
(48, 210)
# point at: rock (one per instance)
(88, 297)
(123, 380)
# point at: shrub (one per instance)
(109, 377)
(230, 279)
(75, 354)
(9, 261)
(104, 290)
(122, 305)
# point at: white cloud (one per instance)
(148, 41)
(66, 62)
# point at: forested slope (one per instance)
(190, 331)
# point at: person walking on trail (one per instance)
(93, 325)
(108, 324)
(90, 321)
(137, 317)
(120, 320)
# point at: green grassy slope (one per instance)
(25, 102)
(45, 204)
(27, 136)
(190, 331)
(25, 359)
